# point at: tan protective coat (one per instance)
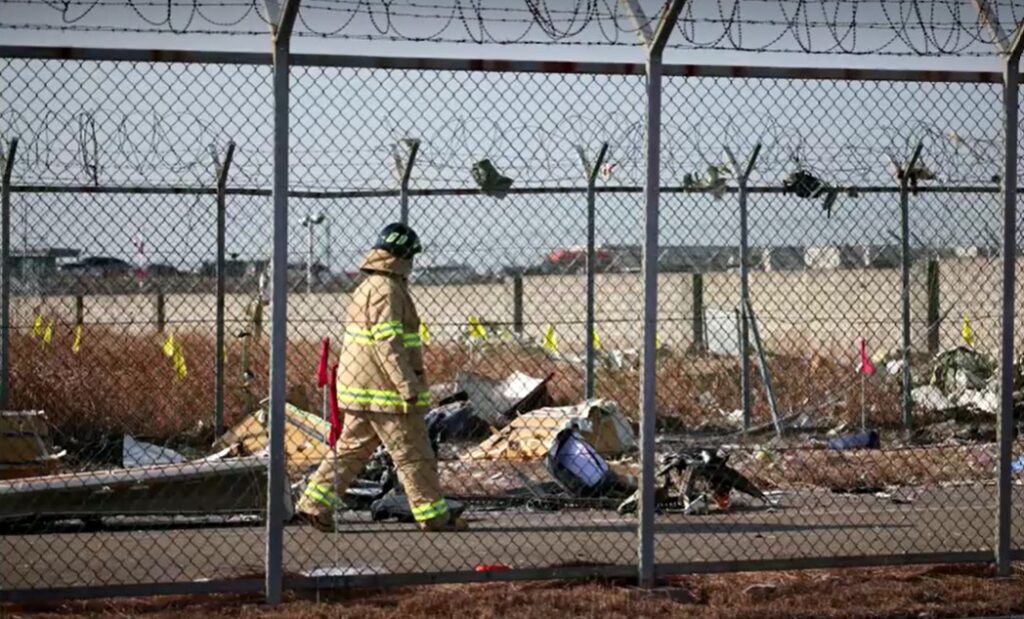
(381, 364)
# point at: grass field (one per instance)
(119, 383)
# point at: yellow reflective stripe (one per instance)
(430, 511)
(386, 330)
(354, 395)
(322, 494)
(362, 337)
(381, 332)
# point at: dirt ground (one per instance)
(919, 592)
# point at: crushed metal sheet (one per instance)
(136, 453)
(26, 448)
(231, 486)
(305, 439)
(930, 398)
(493, 400)
(529, 436)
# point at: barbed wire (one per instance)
(852, 27)
(105, 147)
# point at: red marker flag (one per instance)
(321, 369)
(332, 403)
(865, 367)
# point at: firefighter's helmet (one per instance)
(399, 240)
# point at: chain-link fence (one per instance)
(145, 469)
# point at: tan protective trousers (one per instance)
(405, 437)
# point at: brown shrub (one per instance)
(120, 383)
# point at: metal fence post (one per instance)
(1011, 92)
(907, 172)
(741, 178)
(517, 303)
(160, 307)
(222, 168)
(591, 169)
(655, 49)
(699, 345)
(282, 21)
(5, 273)
(934, 308)
(405, 173)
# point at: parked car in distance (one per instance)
(98, 266)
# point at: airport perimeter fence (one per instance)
(838, 211)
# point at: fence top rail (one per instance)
(493, 66)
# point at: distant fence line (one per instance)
(821, 310)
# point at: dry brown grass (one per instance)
(919, 592)
(122, 383)
(692, 389)
(871, 469)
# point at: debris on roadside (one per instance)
(234, 486)
(530, 436)
(961, 378)
(861, 440)
(930, 398)
(896, 495)
(26, 445)
(395, 506)
(136, 453)
(499, 402)
(305, 439)
(581, 471)
(961, 368)
(455, 418)
(696, 482)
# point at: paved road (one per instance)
(804, 524)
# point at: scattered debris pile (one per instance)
(961, 378)
(502, 444)
(530, 436)
(26, 449)
(153, 482)
(497, 403)
(695, 482)
(305, 439)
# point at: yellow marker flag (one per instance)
(48, 333)
(169, 346)
(597, 340)
(966, 332)
(179, 362)
(476, 330)
(76, 345)
(424, 334)
(550, 340)
(37, 327)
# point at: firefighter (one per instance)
(382, 391)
